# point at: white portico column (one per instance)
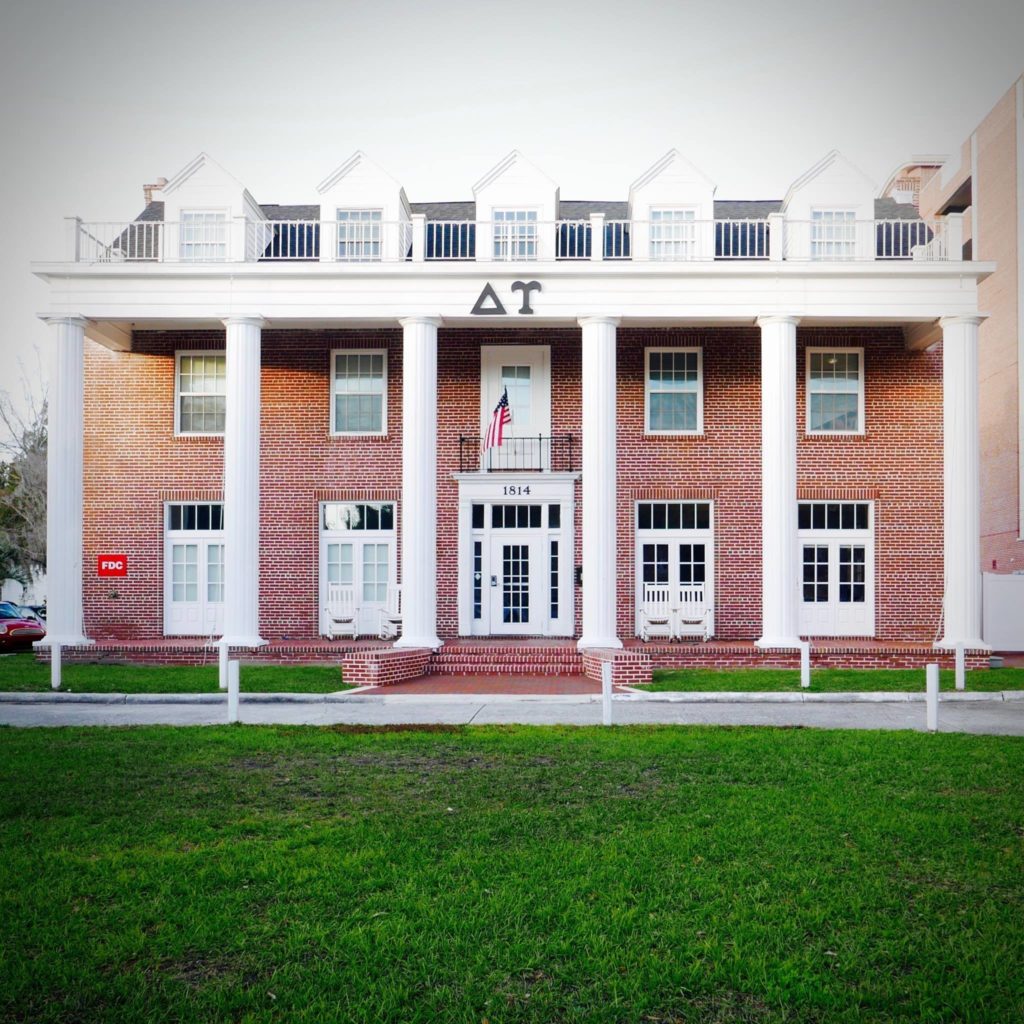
(419, 483)
(242, 483)
(599, 484)
(961, 482)
(64, 469)
(780, 581)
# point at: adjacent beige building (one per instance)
(986, 182)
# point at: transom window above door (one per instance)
(358, 515)
(359, 388)
(673, 515)
(673, 391)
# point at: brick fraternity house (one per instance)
(760, 414)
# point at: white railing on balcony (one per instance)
(595, 239)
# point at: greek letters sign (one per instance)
(489, 304)
(111, 565)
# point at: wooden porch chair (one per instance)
(340, 611)
(391, 615)
(693, 615)
(655, 613)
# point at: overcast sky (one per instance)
(99, 96)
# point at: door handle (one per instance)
(494, 581)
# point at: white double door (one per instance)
(367, 565)
(837, 589)
(194, 585)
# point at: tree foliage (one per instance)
(22, 490)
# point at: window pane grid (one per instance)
(201, 394)
(833, 234)
(515, 234)
(359, 392)
(203, 236)
(820, 515)
(815, 567)
(673, 234)
(359, 516)
(359, 235)
(834, 391)
(673, 515)
(195, 516)
(673, 389)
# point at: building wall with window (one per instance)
(891, 457)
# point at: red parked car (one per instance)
(17, 633)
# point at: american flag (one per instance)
(502, 415)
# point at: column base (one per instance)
(777, 642)
(64, 641)
(611, 643)
(241, 641)
(946, 644)
(432, 642)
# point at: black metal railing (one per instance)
(555, 454)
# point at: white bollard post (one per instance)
(606, 693)
(232, 691)
(961, 668)
(805, 664)
(931, 697)
(55, 666)
(222, 666)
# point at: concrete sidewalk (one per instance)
(992, 715)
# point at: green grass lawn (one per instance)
(23, 672)
(828, 680)
(545, 875)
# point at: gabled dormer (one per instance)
(516, 210)
(364, 213)
(829, 211)
(206, 212)
(672, 209)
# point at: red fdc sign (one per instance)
(112, 565)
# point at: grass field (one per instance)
(23, 672)
(829, 680)
(499, 875)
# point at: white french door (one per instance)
(193, 569)
(517, 585)
(837, 556)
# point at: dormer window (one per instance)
(673, 234)
(203, 235)
(515, 234)
(359, 235)
(833, 234)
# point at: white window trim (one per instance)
(852, 242)
(699, 430)
(178, 432)
(184, 212)
(861, 416)
(383, 432)
(338, 210)
(498, 226)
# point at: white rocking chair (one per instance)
(340, 611)
(391, 615)
(693, 616)
(655, 613)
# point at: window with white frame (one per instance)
(200, 393)
(833, 234)
(673, 391)
(673, 234)
(359, 235)
(515, 234)
(203, 235)
(359, 387)
(835, 391)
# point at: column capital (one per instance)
(413, 321)
(777, 318)
(969, 320)
(599, 318)
(72, 320)
(251, 320)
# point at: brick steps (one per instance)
(472, 660)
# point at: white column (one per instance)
(961, 482)
(418, 510)
(242, 483)
(780, 580)
(599, 483)
(64, 469)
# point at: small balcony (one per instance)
(774, 238)
(556, 454)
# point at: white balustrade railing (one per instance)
(374, 241)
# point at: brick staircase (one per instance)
(511, 657)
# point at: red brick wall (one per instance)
(134, 463)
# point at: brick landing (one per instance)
(544, 686)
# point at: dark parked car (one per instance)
(16, 631)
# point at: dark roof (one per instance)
(889, 209)
(445, 211)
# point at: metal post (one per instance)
(961, 668)
(222, 666)
(805, 664)
(932, 697)
(55, 666)
(606, 693)
(232, 691)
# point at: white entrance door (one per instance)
(193, 569)
(357, 549)
(517, 584)
(837, 556)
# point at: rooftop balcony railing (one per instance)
(208, 240)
